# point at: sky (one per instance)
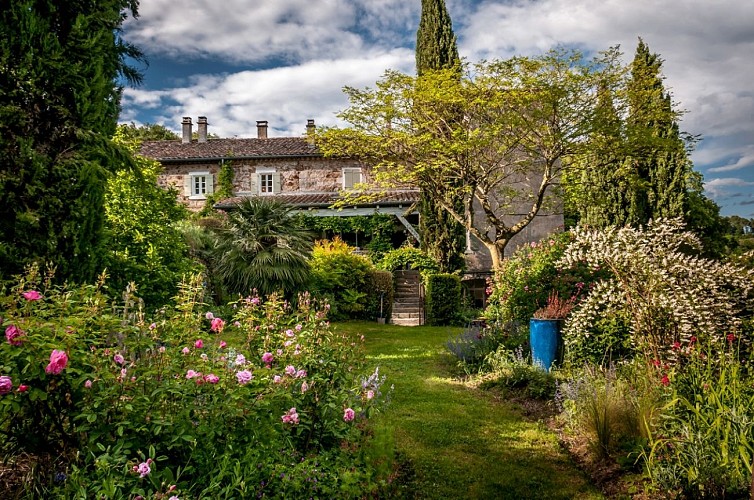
(287, 61)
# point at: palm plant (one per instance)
(262, 247)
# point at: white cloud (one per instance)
(706, 47)
(720, 187)
(286, 97)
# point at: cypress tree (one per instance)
(59, 101)
(442, 236)
(659, 165)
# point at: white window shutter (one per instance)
(187, 185)
(210, 183)
(276, 182)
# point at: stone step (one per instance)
(407, 315)
(406, 322)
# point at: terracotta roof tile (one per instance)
(397, 197)
(226, 148)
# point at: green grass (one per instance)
(460, 442)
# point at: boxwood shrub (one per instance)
(443, 299)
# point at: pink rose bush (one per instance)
(115, 381)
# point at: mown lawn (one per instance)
(459, 442)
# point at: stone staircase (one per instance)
(407, 303)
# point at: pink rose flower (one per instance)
(88, 384)
(304, 387)
(209, 315)
(118, 359)
(277, 379)
(23, 388)
(240, 360)
(162, 348)
(370, 394)
(32, 295)
(291, 417)
(199, 344)
(212, 378)
(222, 344)
(348, 415)
(191, 374)
(185, 350)
(6, 385)
(290, 370)
(217, 325)
(58, 362)
(143, 468)
(153, 326)
(255, 301)
(299, 327)
(244, 377)
(267, 358)
(13, 335)
(300, 374)
(289, 333)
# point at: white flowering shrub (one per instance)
(669, 298)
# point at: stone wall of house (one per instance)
(307, 175)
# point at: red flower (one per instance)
(665, 380)
(22, 388)
(731, 338)
(676, 346)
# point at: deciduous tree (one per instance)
(523, 121)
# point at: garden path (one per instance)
(455, 441)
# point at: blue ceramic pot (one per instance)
(546, 342)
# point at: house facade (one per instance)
(290, 169)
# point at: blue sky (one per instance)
(286, 61)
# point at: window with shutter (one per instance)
(351, 177)
(198, 185)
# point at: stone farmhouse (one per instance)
(290, 169)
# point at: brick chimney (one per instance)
(202, 129)
(262, 129)
(310, 127)
(186, 130)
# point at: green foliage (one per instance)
(144, 244)
(377, 230)
(223, 188)
(262, 247)
(473, 346)
(443, 299)
(435, 41)
(59, 100)
(704, 445)
(188, 403)
(381, 289)
(615, 410)
(529, 276)
(408, 257)
(147, 132)
(343, 277)
(511, 369)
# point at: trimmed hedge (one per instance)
(443, 299)
(381, 282)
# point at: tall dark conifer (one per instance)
(436, 49)
(658, 162)
(59, 101)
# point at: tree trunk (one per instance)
(497, 253)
